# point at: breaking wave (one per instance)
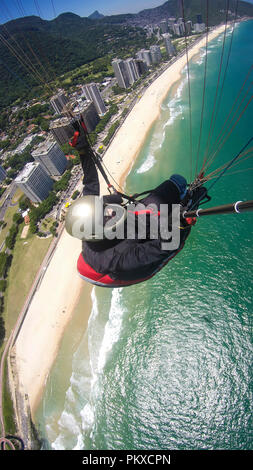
(147, 164)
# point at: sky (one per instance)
(47, 9)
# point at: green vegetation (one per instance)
(11, 238)
(111, 132)
(61, 45)
(81, 48)
(2, 191)
(103, 122)
(8, 411)
(62, 184)
(8, 220)
(38, 213)
(5, 260)
(75, 194)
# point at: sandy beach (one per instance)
(54, 301)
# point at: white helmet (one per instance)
(91, 219)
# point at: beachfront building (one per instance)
(51, 157)
(121, 74)
(188, 26)
(171, 22)
(89, 114)
(129, 70)
(156, 55)
(58, 102)
(141, 66)
(164, 26)
(145, 55)
(2, 174)
(151, 56)
(34, 181)
(132, 70)
(92, 93)
(199, 27)
(62, 130)
(170, 49)
(178, 27)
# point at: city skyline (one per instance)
(49, 9)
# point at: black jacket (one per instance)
(129, 259)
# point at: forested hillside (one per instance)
(34, 51)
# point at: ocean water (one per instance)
(166, 364)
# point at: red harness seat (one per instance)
(104, 280)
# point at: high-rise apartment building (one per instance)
(132, 70)
(170, 49)
(58, 102)
(89, 114)
(188, 26)
(178, 27)
(145, 55)
(164, 26)
(2, 174)
(199, 27)
(93, 94)
(62, 130)
(156, 55)
(121, 73)
(141, 66)
(51, 157)
(34, 182)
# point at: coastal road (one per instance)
(7, 200)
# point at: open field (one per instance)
(27, 258)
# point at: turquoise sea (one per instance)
(166, 364)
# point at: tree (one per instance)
(11, 239)
(2, 330)
(24, 203)
(17, 218)
(75, 194)
(3, 285)
(5, 261)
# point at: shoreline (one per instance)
(55, 300)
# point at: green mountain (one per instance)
(96, 15)
(33, 51)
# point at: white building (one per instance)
(62, 130)
(93, 94)
(51, 157)
(188, 27)
(145, 55)
(88, 112)
(170, 49)
(156, 55)
(132, 70)
(121, 74)
(58, 102)
(34, 182)
(199, 27)
(164, 26)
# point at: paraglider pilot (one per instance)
(118, 262)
